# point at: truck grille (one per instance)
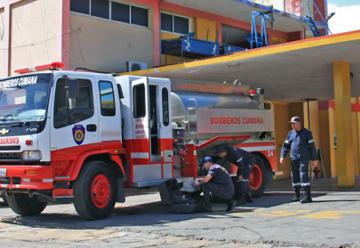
(8, 180)
(10, 156)
(9, 148)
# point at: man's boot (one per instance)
(242, 200)
(307, 198)
(243, 193)
(229, 205)
(297, 195)
(249, 197)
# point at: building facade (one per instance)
(105, 35)
(114, 35)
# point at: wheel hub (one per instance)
(100, 191)
(256, 177)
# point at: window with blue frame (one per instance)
(112, 10)
(174, 23)
(100, 8)
(120, 12)
(81, 6)
(139, 16)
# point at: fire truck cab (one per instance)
(82, 137)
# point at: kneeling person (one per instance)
(216, 184)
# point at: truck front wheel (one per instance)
(95, 191)
(25, 205)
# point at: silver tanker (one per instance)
(186, 107)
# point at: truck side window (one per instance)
(70, 109)
(139, 101)
(165, 102)
(107, 99)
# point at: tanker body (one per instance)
(186, 107)
(201, 121)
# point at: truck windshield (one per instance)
(24, 98)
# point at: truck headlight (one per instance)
(31, 155)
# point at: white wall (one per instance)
(36, 29)
(3, 46)
(106, 45)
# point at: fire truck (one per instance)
(82, 137)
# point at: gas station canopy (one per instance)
(292, 71)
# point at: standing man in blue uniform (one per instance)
(302, 149)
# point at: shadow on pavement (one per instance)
(269, 200)
(324, 201)
(152, 214)
(141, 215)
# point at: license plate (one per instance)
(2, 172)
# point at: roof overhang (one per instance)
(291, 71)
(241, 10)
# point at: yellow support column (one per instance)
(344, 154)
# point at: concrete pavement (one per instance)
(333, 220)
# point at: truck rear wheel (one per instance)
(95, 191)
(25, 205)
(260, 176)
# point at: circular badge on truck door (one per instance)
(78, 134)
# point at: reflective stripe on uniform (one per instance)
(305, 184)
(287, 142)
(296, 184)
(311, 141)
(239, 160)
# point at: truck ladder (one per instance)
(312, 25)
(254, 37)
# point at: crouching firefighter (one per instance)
(216, 184)
(302, 149)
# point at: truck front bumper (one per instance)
(27, 177)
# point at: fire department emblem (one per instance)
(4, 131)
(78, 134)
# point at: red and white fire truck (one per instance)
(83, 137)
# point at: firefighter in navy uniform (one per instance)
(244, 161)
(302, 149)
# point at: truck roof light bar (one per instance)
(23, 71)
(52, 66)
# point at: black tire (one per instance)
(84, 202)
(266, 176)
(24, 205)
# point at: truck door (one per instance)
(161, 133)
(75, 117)
(146, 115)
(152, 132)
(109, 114)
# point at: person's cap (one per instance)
(220, 149)
(295, 119)
(206, 159)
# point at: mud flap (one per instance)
(120, 196)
